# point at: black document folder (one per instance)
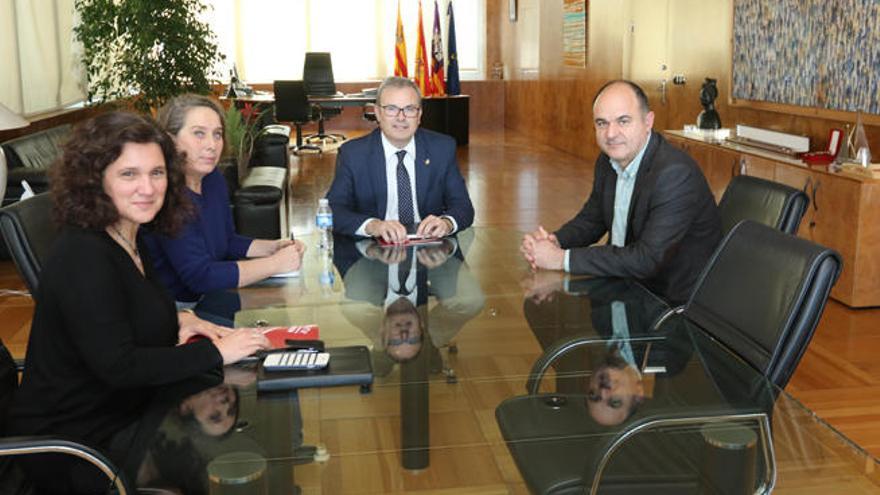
(348, 366)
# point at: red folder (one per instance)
(279, 335)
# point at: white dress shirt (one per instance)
(409, 162)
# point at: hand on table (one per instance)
(289, 257)
(191, 325)
(388, 230)
(541, 250)
(241, 343)
(434, 227)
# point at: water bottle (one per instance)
(324, 222)
(328, 274)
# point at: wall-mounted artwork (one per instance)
(811, 53)
(574, 33)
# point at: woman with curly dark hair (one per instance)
(105, 332)
(208, 255)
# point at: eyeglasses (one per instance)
(408, 111)
(415, 339)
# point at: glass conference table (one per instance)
(465, 397)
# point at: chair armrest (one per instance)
(665, 316)
(28, 445)
(686, 418)
(561, 347)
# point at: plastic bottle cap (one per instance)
(323, 202)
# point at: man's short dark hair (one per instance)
(636, 89)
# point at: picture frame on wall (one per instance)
(511, 6)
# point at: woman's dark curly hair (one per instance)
(77, 178)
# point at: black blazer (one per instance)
(672, 229)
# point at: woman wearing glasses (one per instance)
(208, 255)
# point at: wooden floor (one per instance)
(515, 183)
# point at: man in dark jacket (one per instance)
(649, 196)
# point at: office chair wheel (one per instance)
(451, 378)
(306, 454)
(297, 149)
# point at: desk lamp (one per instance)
(8, 120)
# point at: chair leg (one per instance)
(321, 136)
(299, 146)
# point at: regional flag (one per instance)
(437, 78)
(400, 48)
(453, 84)
(423, 78)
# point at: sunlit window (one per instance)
(268, 39)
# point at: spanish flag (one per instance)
(400, 48)
(423, 78)
(437, 76)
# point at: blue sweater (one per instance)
(202, 257)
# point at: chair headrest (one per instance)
(762, 294)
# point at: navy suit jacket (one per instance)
(672, 230)
(359, 190)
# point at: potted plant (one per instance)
(243, 126)
(154, 49)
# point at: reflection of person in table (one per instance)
(615, 387)
(401, 331)
(208, 255)
(397, 282)
(213, 411)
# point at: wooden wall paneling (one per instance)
(757, 166)
(867, 245)
(836, 216)
(699, 46)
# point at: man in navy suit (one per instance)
(649, 196)
(399, 176)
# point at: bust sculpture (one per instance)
(708, 118)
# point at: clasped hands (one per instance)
(541, 250)
(394, 232)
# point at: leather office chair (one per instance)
(29, 231)
(762, 294)
(318, 78)
(292, 105)
(12, 479)
(767, 202)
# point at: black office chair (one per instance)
(29, 231)
(762, 294)
(767, 202)
(12, 479)
(318, 78)
(292, 105)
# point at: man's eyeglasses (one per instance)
(415, 339)
(393, 111)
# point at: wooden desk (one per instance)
(445, 114)
(844, 211)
